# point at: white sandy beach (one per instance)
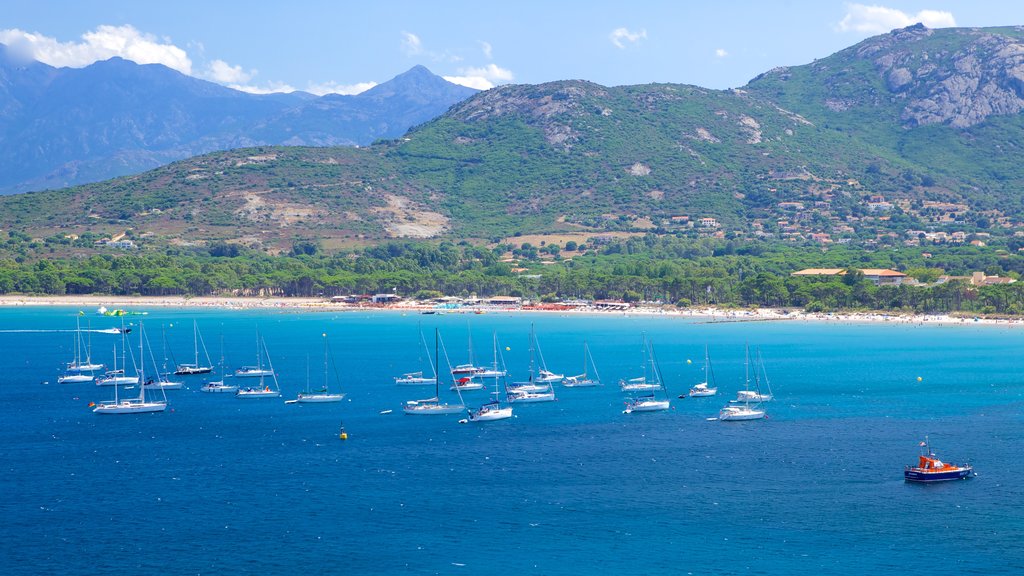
(90, 304)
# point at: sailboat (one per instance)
(116, 376)
(749, 409)
(195, 367)
(133, 405)
(545, 376)
(434, 405)
(321, 395)
(417, 378)
(703, 389)
(756, 395)
(649, 402)
(494, 371)
(584, 380)
(469, 369)
(493, 410)
(257, 371)
(162, 380)
(79, 369)
(219, 386)
(531, 391)
(263, 390)
(645, 382)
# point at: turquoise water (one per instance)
(223, 485)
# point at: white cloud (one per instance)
(622, 34)
(411, 44)
(721, 53)
(486, 47)
(335, 88)
(224, 73)
(482, 78)
(879, 19)
(268, 88)
(100, 44)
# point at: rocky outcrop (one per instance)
(958, 83)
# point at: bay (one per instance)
(218, 484)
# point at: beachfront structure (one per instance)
(877, 276)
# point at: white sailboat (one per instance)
(645, 383)
(705, 388)
(584, 380)
(747, 409)
(117, 376)
(76, 369)
(429, 406)
(263, 389)
(195, 367)
(531, 391)
(469, 369)
(494, 371)
(417, 378)
(133, 405)
(162, 380)
(219, 386)
(650, 402)
(493, 410)
(756, 395)
(257, 371)
(322, 395)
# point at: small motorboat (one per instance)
(930, 469)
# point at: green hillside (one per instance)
(917, 130)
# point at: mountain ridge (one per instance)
(62, 126)
(774, 159)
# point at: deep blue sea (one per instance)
(218, 485)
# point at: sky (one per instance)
(345, 47)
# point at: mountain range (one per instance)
(67, 126)
(902, 135)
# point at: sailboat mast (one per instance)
(325, 361)
(195, 341)
(142, 367)
(437, 377)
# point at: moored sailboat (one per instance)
(650, 402)
(133, 405)
(263, 389)
(584, 380)
(750, 408)
(430, 406)
(322, 395)
(708, 387)
(195, 367)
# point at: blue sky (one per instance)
(335, 46)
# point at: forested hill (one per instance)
(850, 149)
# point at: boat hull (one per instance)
(118, 381)
(164, 386)
(740, 415)
(414, 381)
(188, 371)
(468, 387)
(433, 409)
(257, 394)
(580, 383)
(701, 390)
(128, 407)
(924, 476)
(319, 398)
(648, 406)
(639, 387)
(75, 378)
(490, 415)
(253, 373)
(217, 388)
(530, 398)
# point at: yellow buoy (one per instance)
(507, 348)
(688, 361)
(919, 378)
(343, 435)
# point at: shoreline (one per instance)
(708, 314)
